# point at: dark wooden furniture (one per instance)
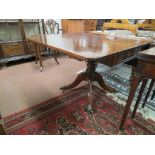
(92, 48)
(144, 70)
(2, 130)
(51, 27)
(13, 44)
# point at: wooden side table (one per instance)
(149, 91)
(144, 70)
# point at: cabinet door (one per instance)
(9, 31)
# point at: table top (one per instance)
(147, 55)
(150, 51)
(88, 46)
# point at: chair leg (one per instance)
(132, 74)
(55, 55)
(135, 82)
(144, 82)
(148, 93)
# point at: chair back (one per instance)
(51, 27)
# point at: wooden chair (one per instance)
(51, 27)
(144, 71)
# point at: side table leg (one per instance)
(135, 82)
(144, 82)
(148, 93)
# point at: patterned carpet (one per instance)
(118, 77)
(69, 115)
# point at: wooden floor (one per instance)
(23, 85)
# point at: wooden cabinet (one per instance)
(72, 25)
(13, 33)
(90, 24)
(78, 25)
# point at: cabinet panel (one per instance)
(13, 33)
(31, 28)
(10, 32)
(12, 49)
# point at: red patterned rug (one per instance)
(69, 115)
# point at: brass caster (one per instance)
(41, 69)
